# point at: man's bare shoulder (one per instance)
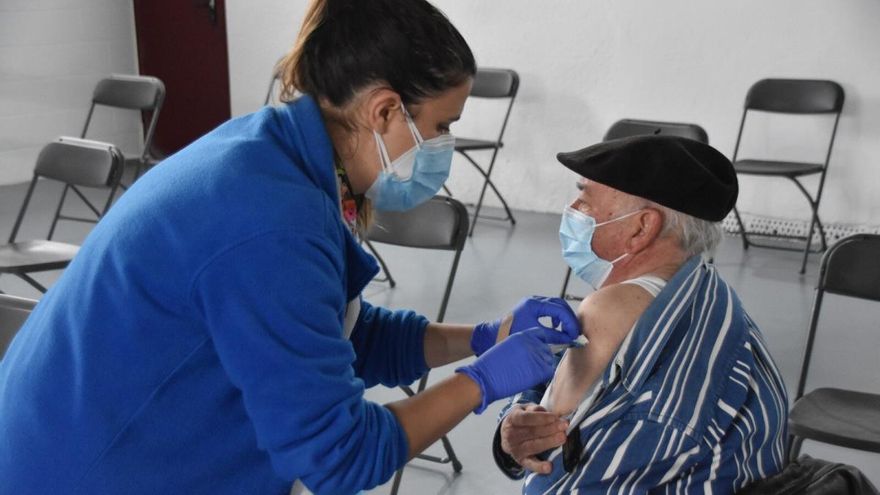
(608, 314)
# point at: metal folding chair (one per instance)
(273, 83)
(441, 223)
(634, 127)
(74, 162)
(13, 312)
(842, 417)
(494, 84)
(142, 93)
(797, 97)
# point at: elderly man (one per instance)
(675, 391)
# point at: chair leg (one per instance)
(447, 445)
(794, 448)
(477, 208)
(742, 228)
(396, 485)
(58, 212)
(34, 283)
(450, 454)
(487, 182)
(821, 232)
(808, 243)
(381, 261)
(562, 293)
(814, 219)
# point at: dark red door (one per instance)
(183, 43)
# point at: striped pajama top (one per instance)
(691, 403)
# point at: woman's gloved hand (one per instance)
(518, 363)
(525, 315)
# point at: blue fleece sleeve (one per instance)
(274, 307)
(390, 346)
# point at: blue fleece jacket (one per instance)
(195, 344)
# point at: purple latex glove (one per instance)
(518, 363)
(525, 315)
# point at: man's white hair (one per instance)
(695, 236)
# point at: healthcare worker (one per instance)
(210, 336)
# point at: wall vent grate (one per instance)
(788, 227)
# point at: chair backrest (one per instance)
(80, 162)
(129, 91)
(144, 93)
(75, 162)
(13, 312)
(274, 83)
(495, 83)
(440, 223)
(851, 268)
(800, 96)
(633, 127)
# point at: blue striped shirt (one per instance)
(691, 403)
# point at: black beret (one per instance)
(678, 173)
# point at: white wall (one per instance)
(52, 52)
(584, 64)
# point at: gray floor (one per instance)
(501, 264)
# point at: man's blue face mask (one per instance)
(414, 177)
(576, 236)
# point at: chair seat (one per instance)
(769, 167)
(468, 144)
(30, 256)
(840, 417)
(135, 160)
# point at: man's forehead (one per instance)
(592, 187)
(600, 193)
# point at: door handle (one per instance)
(211, 5)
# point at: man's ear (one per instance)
(648, 229)
(382, 106)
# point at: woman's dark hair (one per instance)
(347, 45)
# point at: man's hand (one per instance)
(528, 431)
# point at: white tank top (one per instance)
(650, 283)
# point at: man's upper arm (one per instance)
(607, 315)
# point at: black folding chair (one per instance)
(441, 223)
(798, 97)
(634, 127)
(842, 417)
(74, 162)
(13, 312)
(493, 84)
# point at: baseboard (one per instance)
(771, 226)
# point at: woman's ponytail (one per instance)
(347, 45)
(291, 67)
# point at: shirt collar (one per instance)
(307, 135)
